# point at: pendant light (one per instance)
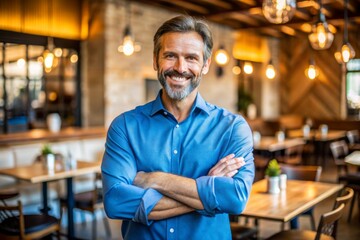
(128, 46)
(346, 52)
(321, 38)
(48, 55)
(311, 71)
(279, 11)
(270, 71)
(248, 68)
(221, 56)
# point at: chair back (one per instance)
(347, 195)
(339, 149)
(293, 155)
(12, 221)
(97, 193)
(328, 222)
(8, 212)
(306, 173)
(353, 136)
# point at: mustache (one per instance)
(173, 73)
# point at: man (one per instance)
(177, 166)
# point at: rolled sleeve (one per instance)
(148, 202)
(206, 191)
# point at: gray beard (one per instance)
(178, 95)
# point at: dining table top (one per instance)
(37, 173)
(316, 135)
(298, 197)
(272, 144)
(353, 158)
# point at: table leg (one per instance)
(70, 208)
(45, 208)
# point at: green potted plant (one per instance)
(48, 157)
(273, 172)
(46, 149)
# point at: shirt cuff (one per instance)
(148, 202)
(206, 190)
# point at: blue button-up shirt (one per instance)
(149, 138)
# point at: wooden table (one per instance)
(271, 144)
(298, 197)
(353, 158)
(321, 142)
(36, 173)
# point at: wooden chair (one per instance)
(325, 229)
(305, 173)
(352, 180)
(339, 151)
(90, 201)
(346, 196)
(242, 231)
(14, 224)
(354, 140)
(261, 162)
(292, 155)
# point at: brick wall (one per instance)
(123, 78)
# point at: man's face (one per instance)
(180, 63)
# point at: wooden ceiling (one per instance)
(247, 14)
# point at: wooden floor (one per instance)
(267, 228)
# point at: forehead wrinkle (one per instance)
(191, 45)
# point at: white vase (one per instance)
(48, 162)
(53, 122)
(273, 185)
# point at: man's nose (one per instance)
(180, 65)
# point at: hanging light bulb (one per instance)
(248, 68)
(346, 52)
(311, 71)
(128, 46)
(221, 56)
(48, 55)
(270, 71)
(279, 11)
(321, 38)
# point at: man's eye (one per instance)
(192, 58)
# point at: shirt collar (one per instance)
(200, 103)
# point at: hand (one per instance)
(227, 166)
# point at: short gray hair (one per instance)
(184, 24)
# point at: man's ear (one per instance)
(206, 67)
(155, 63)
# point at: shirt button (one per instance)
(172, 230)
(165, 113)
(175, 151)
(177, 125)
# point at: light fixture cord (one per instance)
(346, 22)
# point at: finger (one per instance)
(227, 166)
(232, 165)
(232, 173)
(219, 163)
(228, 157)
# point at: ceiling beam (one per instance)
(218, 3)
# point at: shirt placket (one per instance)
(175, 157)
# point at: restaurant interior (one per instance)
(291, 68)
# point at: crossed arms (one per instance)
(180, 193)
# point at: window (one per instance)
(353, 88)
(28, 91)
